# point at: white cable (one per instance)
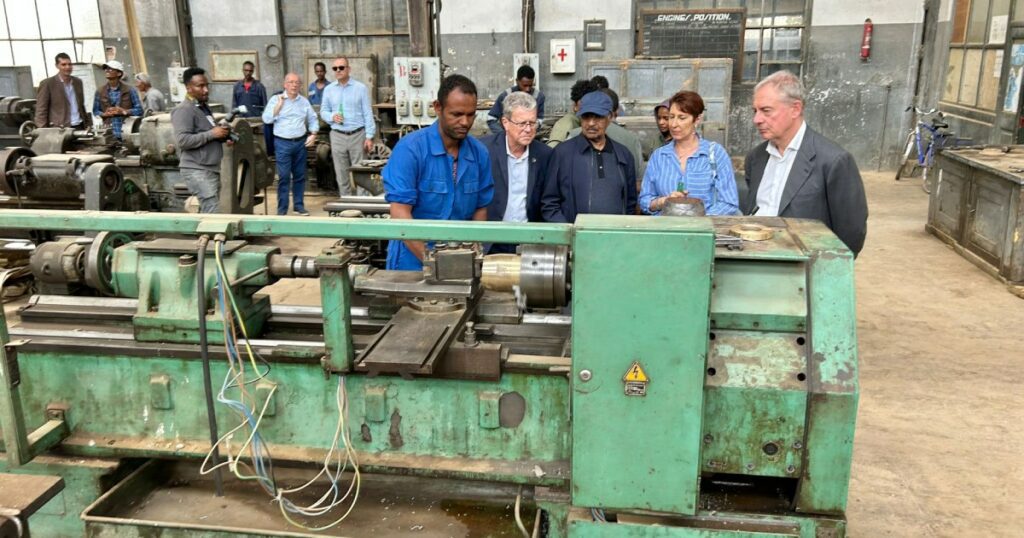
(519, 519)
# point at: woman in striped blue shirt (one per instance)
(689, 165)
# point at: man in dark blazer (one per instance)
(799, 173)
(519, 164)
(60, 101)
(590, 172)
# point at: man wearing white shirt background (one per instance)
(345, 106)
(799, 173)
(295, 129)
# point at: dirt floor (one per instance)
(939, 442)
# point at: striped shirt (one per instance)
(664, 174)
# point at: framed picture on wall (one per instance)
(226, 65)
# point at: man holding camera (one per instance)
(199, 140)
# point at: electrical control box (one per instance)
(174, 75)
(416, 83)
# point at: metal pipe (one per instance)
(204, 354)
(284, 266)
(274, 226)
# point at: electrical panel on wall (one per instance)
(531, 59)
(174, 75)
(416, 83)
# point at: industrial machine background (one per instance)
(66, 168)
(712, 391)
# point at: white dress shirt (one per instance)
(518, 176)
(776, 172)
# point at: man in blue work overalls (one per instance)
(438, 172)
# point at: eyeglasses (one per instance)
(339, 67)
(524, 125)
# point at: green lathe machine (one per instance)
(620, 377)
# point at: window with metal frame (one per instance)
(976, 54)
(33, 32)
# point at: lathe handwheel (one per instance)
(27, 132)
(99, 273)
(9, 159)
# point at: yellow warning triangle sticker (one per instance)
(635, 374)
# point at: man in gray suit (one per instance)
(199, 140)
(797, 172)
(60, 101)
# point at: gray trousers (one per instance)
(204, 185)
(346, 150)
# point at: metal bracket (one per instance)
(230, 227)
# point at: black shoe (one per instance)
(302, 212)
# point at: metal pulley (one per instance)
(99, 260)
(540, 272)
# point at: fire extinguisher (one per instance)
(865, 42)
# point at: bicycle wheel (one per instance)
(902, 169)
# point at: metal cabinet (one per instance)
(976, 206)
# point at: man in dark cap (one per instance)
(590, 173)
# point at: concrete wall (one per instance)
(238, 25)
(478, 40)
(858, 104)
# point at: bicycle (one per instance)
(939, 138)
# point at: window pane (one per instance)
(749, 67)
(21, 16)
(989, 81)
(956, 61)
(730, 3)
(30, 53)
(751, 38)
(6, 58)
(767, 69)
(55, 22)
(1000, 7)
(50, 50)
(782, 44)
(86, 17)
(963, 9)
(979, 22)
(789, 12)
(3, 25)
(754, 8)
(1018, 10)
(91, 51)
(969, 81)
